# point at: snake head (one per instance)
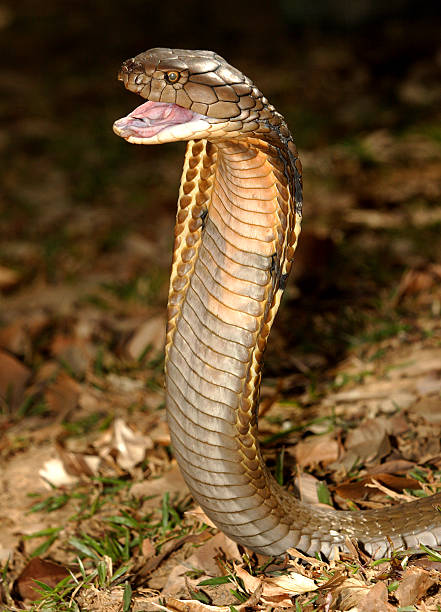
(190, 95)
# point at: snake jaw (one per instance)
(160, 122)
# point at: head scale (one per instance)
(201, 81)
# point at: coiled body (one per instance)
(238, 222)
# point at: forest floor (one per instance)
(351, 397)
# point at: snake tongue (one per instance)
(151, 118)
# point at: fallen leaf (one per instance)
(193, 605)
(417, 280)
(418, 363)
(279, 590)
(78, 464)
(307, 486)
(203, 559)
(13, 379)
(153, 562)
(370, 440)
(16, 336)
(359, 490)
(129, 446)
(293, 583)
(428, 384)
(376, 600)
(317, 450)
(348, 595)
(393, 466)
(151, 333)
(172, 482)
(62, 395)
(148, 549)
(413, 586)
(429, 408)
(8, 278)
(160, 434)
(55, 473)
(200, 516)
(428, 565)
(38, 569)
(251, 582)
(75, 352)
(124, 384)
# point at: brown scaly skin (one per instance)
(237, 225)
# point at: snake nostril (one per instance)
(130, 65)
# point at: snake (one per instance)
(237, 226)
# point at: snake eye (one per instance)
(172, 76)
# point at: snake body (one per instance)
(237, 225)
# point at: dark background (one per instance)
(74, 196)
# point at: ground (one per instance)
(351, 397)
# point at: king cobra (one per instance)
(237, 226)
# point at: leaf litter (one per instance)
(94, 511)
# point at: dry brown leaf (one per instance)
(389, 492)
(203, 559)
(200, 516)
(417, 363)
(370, 441)
(16, 336)
(296, 554)
(13, 379)
(307, 486)
(62, 395)
(376, 600)
(346, 595)
(205, 556)
(171, 482)
(148, 549)
(279, 590)
(429, 408)
(393, 466)
(413, 586)
(193, 605)
(78, 464)
(251, 583)
(151, 333)
(153, 562)
(8, 278)
(76, 352)
(131, 446)
(429, 565)
(38, 569)
(124, 384)
(358, 490)
(428, 385)
(293, 583)
(128, 446)
(65, 471)
(160, 434)
(418, 280)
(317, 450)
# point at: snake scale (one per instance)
(237, 226)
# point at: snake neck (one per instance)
(235, 237)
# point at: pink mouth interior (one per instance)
(152, 117)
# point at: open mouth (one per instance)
(153, 118)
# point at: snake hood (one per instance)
(192, 94)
